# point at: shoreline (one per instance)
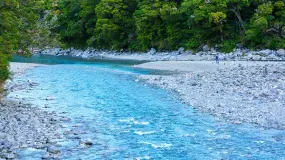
(24, 126)
(238, 54)
(237, 92)
(17, 68)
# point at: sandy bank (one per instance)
(250, 92)
(196, 66)
(20, 68)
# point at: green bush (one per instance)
(229, 46)
(4, 69)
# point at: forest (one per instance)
(138, 25)
(18, 19)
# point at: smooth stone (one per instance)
(206, 48)
(86, 143)
(53, 150)
(281, 52)
(152, 51)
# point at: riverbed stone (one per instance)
(86, 143)
(181, 50)
(206, 53)
(281, 52)
(266, 52)
(251, 99)
(25, 126)
(206, 48)
(152, 51)
(53, 150)
(256, 57)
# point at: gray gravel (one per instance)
(242, 93)
(24, 126)
(238, 54)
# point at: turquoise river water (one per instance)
(132, 120)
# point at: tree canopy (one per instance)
(17, 26)
(138, 25)
(169, 24)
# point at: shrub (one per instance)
(4, 69)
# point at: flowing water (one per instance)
(131, 120)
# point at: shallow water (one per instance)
(130, 120)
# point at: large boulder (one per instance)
(222, 57)
(272, 57)
(206, 48)
(256, 57)
(239, 45)
(53, 150)
(152, 51)
(281, 52)
(231, 56)
(263, 59)
(181, 50)
(249, 56)
(238, 52)
(188, 52)
(86, 143)
(266, 52)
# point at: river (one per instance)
(131, 120)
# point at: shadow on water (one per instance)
(49, 59)
(113, 63)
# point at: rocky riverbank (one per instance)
(207, 53)
(23, 126)
(27, 127)
(238, 92)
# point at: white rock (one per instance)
(53, 150)
(272, 57)
(256, 57)
(152, 51)
(206, 48)
(281, 52)
(222, 57)
(249, 56)
(49, 98)
(86, 143)
(188, 52)
(238, 52)
(266, 52)
(181, 50)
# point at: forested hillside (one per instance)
(170, 24)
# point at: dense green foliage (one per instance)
(17, 26)
(170, 24)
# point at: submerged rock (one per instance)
(86, 143)
(53, 150)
